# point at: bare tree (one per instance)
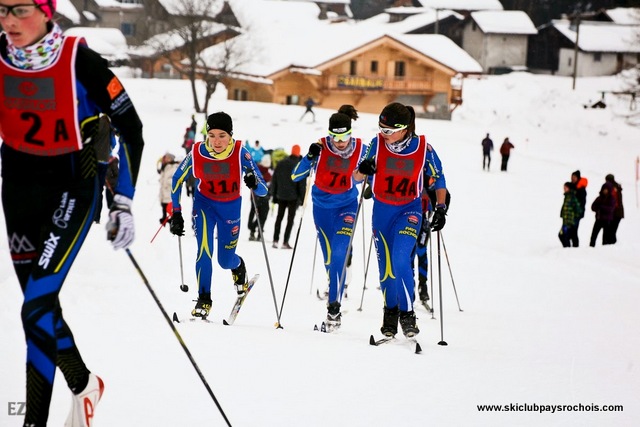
(195, 29)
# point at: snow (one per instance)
(504, 22)
(601, 36)
(540, 324)
(463, 4)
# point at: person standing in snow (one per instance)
(618, 212)
(397, 160)
(167, 166)
(487, 148)
(603, 206)
(50, 186)
(580, 185)
(217, 164)
(571, 212)
(334, 158)
(288, 195)
(505, 152)
(309, 103)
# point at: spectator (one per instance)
(288, 195)
(261, 203)
(487, 148)
(257, 152)
(166, 167)
(505, 151)
(603, 206)
(571, 212)
(618, 212)
(580, 185)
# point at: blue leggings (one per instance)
(208, 215)
(47, 224)
(334, 227)
(395, 230)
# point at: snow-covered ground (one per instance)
(541, 325)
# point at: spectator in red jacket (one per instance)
(505, 151)
(580, 183)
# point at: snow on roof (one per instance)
(504, 22)
(117, 5)
(463, 4)
(625, 15)
(602, 36)
(413, 22)
(442, 49)
(108, 42)
(68, 10)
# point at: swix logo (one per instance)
(50, 246)
(20, 244)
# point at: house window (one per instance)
(569, 62)
(240, 95)
(293, 100)
(374, 67)
(597, 57)
(128, 29)
(353, 68)
(399, 69)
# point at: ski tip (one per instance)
(418, 348)
(372, 340)
(315, 328)
(224, 322)
(175, 317)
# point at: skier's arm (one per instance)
(182, 173)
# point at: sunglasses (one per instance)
(391, 131)
(340, 137)
(20, 11)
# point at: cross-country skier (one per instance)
(217, 164)
(52, 91)
(335, 198)
(396, 160)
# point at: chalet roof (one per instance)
(410, 23)
(601, 36)
(624, 15)
(110, 43)
(443, 50)
(117, 5)
(470, 5)
(504, 22)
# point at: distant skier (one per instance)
(487, 148)
(309, 103)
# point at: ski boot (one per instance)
(423, 291)
(390, 322)
(203, 305)
(334, 318)
(239, 275)
(408, 323)
(83, 404)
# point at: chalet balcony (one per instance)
(405, 85)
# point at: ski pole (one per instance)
(313, 265)
(366, 271)
(450, 273)
(295, 246)
(264, 250)
(442, 341)
(431, 268)
(355, 222)
(160, 228)
(183, 286)
(177, 335)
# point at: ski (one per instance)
(238, 305)
(176, 319)
(426, 306)
(384, 340)
(324, 327)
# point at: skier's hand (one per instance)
(439, 218)
(367, 167)
(250, 180)
(177, 224)
(314, 151)
(120, 227)
(368, 192)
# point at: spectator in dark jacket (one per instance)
(618, 212)
(580, 185)
(487, 148)
(570, 213)
(288, 195)
(603, 206)
(505, 151)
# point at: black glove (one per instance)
(314, 151)
(439, 218)
(177, 224)
(367, 167)
(251, 181)
(368, 192)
